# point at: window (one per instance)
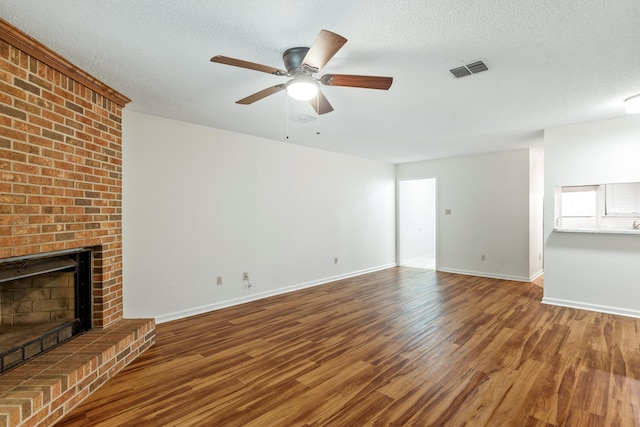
(609, 208)
(623, 199)
(579, 201)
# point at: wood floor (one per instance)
(401, 347)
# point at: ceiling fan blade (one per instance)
(259, 95)
(323, 48)
(246, 64)
(366, 82)
(321, 104)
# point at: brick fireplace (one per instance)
(61, 189)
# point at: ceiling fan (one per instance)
(301, 63)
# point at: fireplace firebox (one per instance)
(45, 300)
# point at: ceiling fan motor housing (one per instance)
(293, 61)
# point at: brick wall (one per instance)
(43, 299)
(60, 164)
(61, 188)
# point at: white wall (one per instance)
(536, 211)
(594, 271)
(488, 195)
(416, 219)
(200, 203)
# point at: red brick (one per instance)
(29, 108)
(13, 219)
(26, 148)
(12, 155)
(62, 92)
(52, 172)
(39, 101)
(52, 116)
(26, 189)
(5, 121)
(13, 199)
(53, 154)
(40, 200)
(13, 241)
(41, 219)
(28, 128)
(5, 98)
(52, 228)
(39, 180)
(40, 141)
(12, 90)
(12, 112)
(56, 136)
(4, 50)
(26, 229)
(26, 209)
(26, 86)
(74, 124)
(52, 210)
(12, 176)
(25, 168)
(14, 134)
(40, 238)
(52, 98)
(40, 82)
(41, 161)
(63, 129)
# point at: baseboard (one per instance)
(254, 297)
(536, 275)
(485, 274)
(591, 307)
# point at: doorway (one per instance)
(417, 223)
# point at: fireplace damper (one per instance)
(45, 299)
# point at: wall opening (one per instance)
(417, 245)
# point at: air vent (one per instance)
(466, 70)
(460, 72)
(477, 67)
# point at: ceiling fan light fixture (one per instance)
(302, 88)
(632, 104)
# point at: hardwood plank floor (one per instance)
(401, 347)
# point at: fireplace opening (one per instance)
(45, 300)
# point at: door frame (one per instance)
(436, 217)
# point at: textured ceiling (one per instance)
(551, 63)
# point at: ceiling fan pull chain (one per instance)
(286, 117)
(317, 113)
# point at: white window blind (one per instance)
(623, 198)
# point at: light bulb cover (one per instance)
(632, 104)
(302, 88)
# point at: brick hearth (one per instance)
(49, 386)
(61, 188)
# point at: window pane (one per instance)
(579, 203)
(623, 198)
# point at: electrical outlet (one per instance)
(219, 280)
(245, 276)
(335, 260)
(483, 257)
